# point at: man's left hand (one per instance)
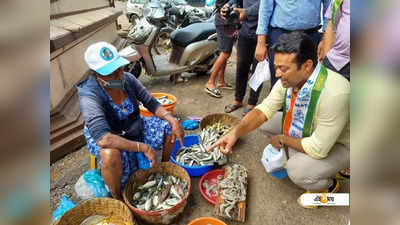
(276, 141)
(242, 13)
(177, 132)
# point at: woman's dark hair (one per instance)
(297, 42)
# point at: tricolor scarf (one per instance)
(299, 108)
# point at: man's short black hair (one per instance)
(297, 42)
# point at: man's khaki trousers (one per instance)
(306, 172)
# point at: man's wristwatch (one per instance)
(281, 141)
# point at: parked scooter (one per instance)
(194, 48)
(179, 17)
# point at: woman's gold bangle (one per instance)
(138, 146)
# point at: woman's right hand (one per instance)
(150, 155)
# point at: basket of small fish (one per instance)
(221, 122)
(167, 101)
(98, 211)
(158, 195)
(193, 156)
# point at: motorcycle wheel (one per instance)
(134, 68)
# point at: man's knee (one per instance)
(300, 172)
(110, 157)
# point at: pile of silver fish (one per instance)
(164, 100)
(211, 186)
(197, 155)
(233, 189)
(160, 192)
(220, 128)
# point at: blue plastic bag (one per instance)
(190, 124)
(65, 205)
(143, 162)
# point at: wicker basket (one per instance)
(140, 177)
(218, 117)
(119, 213)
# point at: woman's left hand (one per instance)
(177, 131)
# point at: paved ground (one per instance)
(270, 201)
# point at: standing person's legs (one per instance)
(225, 45)
(273, 36)
(251, 48)
(244, 60)
(316, 174)
(219, 67)
(221, 77)
(345, 71)
(245, 57)
(316, 37)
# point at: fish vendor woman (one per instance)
(315, 129)
(120, 139)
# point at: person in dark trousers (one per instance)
(247, 42)
(225, 44)
(334, 49)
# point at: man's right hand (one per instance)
(150, 155)
(225, 143)
(261, 52)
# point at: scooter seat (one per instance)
(192, 33)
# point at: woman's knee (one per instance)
(110, 157)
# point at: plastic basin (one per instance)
(169, 107)
(206, 221)
(193, 171)
(210, 176)
(280, 174)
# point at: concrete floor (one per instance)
(270, 201)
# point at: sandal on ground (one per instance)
(344, 174)
(213, 92)
(227, 86)
(333, 189)
(231, 107)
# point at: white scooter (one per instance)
(194, 48)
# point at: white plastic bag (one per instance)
(91, 185)
(273, 159)
(261, 74)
